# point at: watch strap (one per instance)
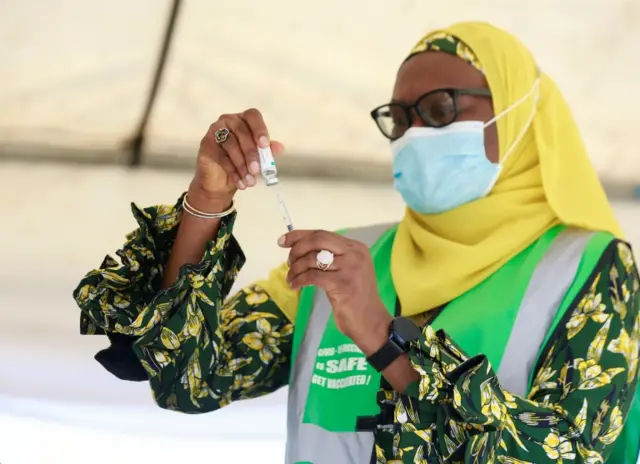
(385, 356)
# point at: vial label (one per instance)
(266, 158)
(268, 166)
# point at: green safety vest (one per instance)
(332, 385)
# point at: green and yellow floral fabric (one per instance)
(446, 43)
(200, 351)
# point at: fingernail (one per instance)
(263, 142)
(254, 167)
(251, 181)
(282, 240)
(241, 185)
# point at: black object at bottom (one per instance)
(367, 423)
(120, 360)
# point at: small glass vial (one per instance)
(268, 166)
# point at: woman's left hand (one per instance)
(349, 281)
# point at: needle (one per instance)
(284, 213)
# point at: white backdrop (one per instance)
(75, 73)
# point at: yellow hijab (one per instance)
(548, 179)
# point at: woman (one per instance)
(497, 322)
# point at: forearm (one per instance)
(485, 422)
(567, 418)
(197, 353)
(400, 373)
(193, 235)
(124, 299)
(214, 361)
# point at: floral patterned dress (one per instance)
(200, 351)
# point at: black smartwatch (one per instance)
(402, 331)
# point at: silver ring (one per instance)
(324, 259)
(221, 135)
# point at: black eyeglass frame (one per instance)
(453, 93)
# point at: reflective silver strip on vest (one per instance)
(549, 283)
(551, 279)
(308, 442)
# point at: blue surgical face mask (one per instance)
(437, 170)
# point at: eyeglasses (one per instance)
(437, 108)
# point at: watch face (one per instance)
(405, 330)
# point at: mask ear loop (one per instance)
(534, 88)
(517, 103)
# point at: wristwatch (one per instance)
(402, 331)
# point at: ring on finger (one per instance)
(221, 135)
(324, 260)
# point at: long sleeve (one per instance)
(581, 395)
(198, 352)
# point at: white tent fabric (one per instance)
(75, 74)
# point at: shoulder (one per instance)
(607, 280)
(616, 255)
(609, 262)
(612, 289)
(600, 250)
(623, 258)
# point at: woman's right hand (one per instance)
(223, 168)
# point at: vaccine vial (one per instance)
(268, 166)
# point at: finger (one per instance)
(233, 153)
(307, 262)
(321, 279)
(230, 169)
(291, 238)
(221, 156)
(317, 241)
(233, 146)
(277, 148)
(250, 166)
(258, 127)
(260, 137)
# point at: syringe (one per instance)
(284, 213)
(270, 173)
